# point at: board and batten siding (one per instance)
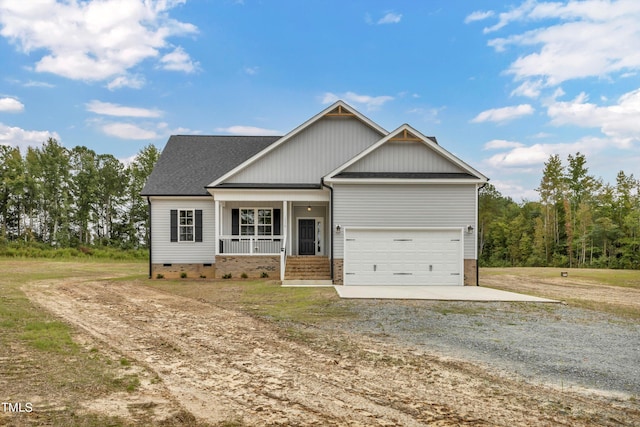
(163, 251)
(408, 205)
(405, 157)
(313, 153)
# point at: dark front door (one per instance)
(306, 237)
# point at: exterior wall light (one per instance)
(469, 229)
(338, 228)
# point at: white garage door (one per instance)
(403, 257)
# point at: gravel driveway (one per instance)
(545, 343)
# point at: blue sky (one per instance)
(503, 85)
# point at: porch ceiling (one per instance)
(264, 195)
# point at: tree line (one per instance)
(579, 221)
(75, 197)
(70, 198)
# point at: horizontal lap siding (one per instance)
(164, 251)
(405, 206)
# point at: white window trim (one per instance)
(193, 226)
(255, 224)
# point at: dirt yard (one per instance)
(228, 368)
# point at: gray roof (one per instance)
(189, 163)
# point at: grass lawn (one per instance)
(40, 362)
(611, 291)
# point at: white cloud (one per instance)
(529, 89)
(620, 122)
(515, 190)
(521, 156)
(503, 114)
(133, 82)
(388, 18)
(427, 114)
(91, 40)
(591, 38)
(248, 130)
(21, 138)
(371, 102)
(32, 83)
(11, 105)
(499, 144)
(128, 131)
(251, 71)
(535, 155)
(479, 15)
(179, 60)
(514, 14)
(109, 109)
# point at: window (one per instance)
(185, 226)
(256, 222)
(265, 222)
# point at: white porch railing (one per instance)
(250, 245)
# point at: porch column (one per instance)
(285, 219)
(216, 225)
(289, 230)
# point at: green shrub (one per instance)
(160, 276)
(183, 275)
(264, 275)
(244, 276)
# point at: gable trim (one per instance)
(402, 134)
(344, 110)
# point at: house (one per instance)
(337, 200)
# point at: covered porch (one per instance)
(270, 223)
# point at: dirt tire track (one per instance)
(223, 365)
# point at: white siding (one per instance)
(163, 250)
(403, 157)
(428, 205)
(312, 154)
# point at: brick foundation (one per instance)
(470, 272)
(338, 269)
(252, 266)
(174, 271)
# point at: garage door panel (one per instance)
(403, 257)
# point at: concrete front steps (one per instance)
(307, 271)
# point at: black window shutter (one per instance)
(276, 222)
(174, 225)
(235, 222)
(198, 225)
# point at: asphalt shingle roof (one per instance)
(188, 163)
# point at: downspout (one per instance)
(478, 219)
(331, 223)
(149, 238)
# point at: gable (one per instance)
(311, 154)
(406, 154)
(310, 151)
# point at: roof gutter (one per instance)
(331, 223)
(149, 238)
(477, 219)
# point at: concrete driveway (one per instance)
(440, 293)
